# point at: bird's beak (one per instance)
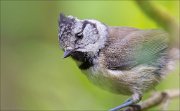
(67, 53)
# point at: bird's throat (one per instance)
(85, 60)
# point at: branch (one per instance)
(156, 99)
(162, 18)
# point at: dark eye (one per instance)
(79, 35)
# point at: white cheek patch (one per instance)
(103, 35)
(90, 36)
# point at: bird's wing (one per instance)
(138, 47)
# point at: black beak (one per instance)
(67, 53)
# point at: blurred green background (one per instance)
(33, 74)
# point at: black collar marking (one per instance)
(83, 57)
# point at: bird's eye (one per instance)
(79, 35)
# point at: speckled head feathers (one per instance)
(81, 35)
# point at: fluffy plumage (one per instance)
(122, 60)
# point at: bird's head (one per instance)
(81, 35)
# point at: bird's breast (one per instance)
(107, 80)
(139, 79)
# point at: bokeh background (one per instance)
(33, 74)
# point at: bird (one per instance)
(119, 59)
